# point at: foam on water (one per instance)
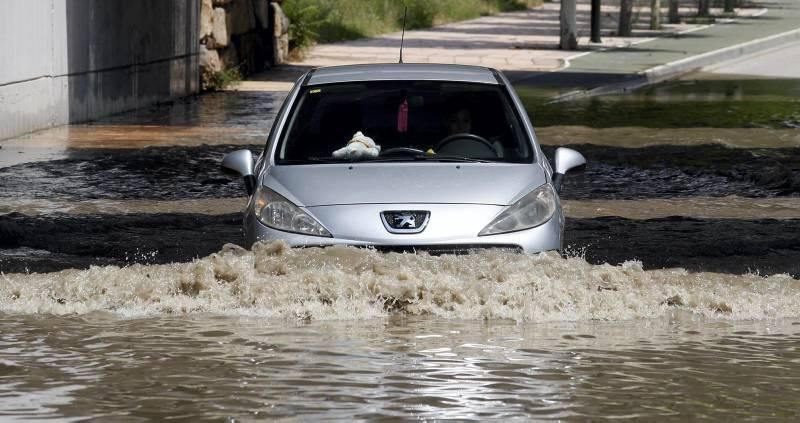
(275, 281)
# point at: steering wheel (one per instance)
(401, 150)
(466, 136)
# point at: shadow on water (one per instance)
(232, 118)
(241, 110)
(707, 166)
(51, 243)
(678, 104)
(181, 173)
(674, 171)
(164, 173)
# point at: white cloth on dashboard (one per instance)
(360, 146)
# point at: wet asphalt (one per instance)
(179, 172)
(51, 241)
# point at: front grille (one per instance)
(455, 249)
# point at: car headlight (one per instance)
(532, 210)
(275, 211)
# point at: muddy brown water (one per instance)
(120, 301)
(212, 368)
(344, 333)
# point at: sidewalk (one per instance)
(523, 45)
(780, 16)
(518, 41)
(677, 54)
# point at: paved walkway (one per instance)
(516, 41)
(780, 16)
(623, 67)
(523, 45)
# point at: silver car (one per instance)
(437, 158)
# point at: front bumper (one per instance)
(453, 228)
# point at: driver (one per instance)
(459, 121)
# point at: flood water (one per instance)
(346, 333)
(212, 368)
(124, 297)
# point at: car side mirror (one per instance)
(241, 162)
(566, 159)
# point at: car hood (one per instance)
(441, 183)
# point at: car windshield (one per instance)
(403, 121)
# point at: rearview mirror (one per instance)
(566, 159)
(241, 162)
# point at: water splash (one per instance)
(345, 283)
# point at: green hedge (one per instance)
(328, 21)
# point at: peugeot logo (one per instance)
(405, 222)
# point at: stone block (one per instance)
(280, 38)
(209, 65)
(209, 60)
(206, 15)
(220, 28)
(281, 48)
(281, 24)
(241, 17)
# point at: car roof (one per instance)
(403, 72)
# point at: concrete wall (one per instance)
(67, 61)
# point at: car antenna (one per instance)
(403, 37)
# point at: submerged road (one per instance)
(702, 174)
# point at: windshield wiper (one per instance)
(320, 160)
(414, 158)
(429, 157)
(446, 158)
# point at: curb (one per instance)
(681, 67)
(690, 64)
